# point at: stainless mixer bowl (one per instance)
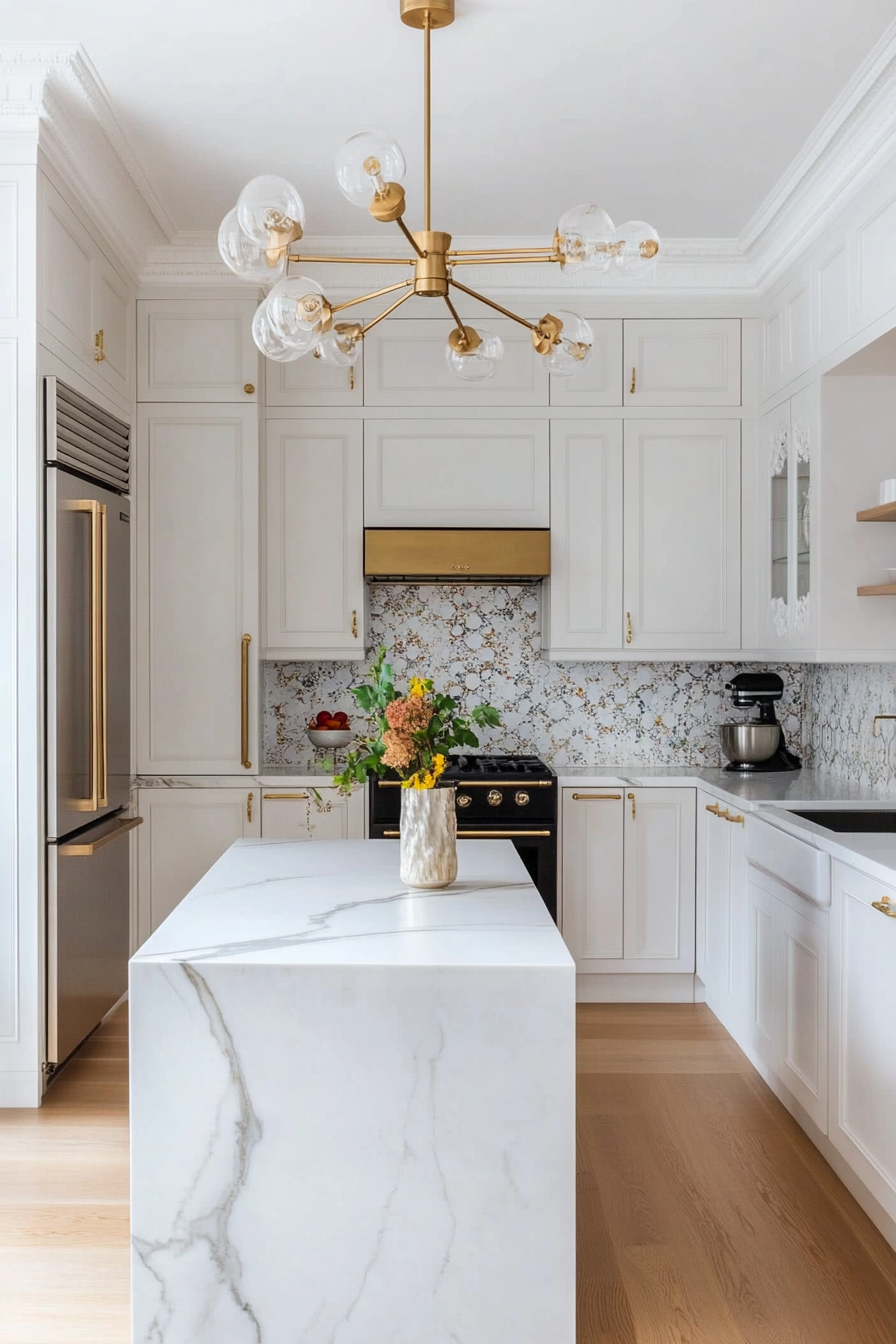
(749, 743)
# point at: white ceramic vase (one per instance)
(428, 838)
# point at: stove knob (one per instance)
(522, 798)
(464, 800)
(495, 797)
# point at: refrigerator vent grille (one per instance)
(82, 436)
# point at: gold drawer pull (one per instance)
(628, 627)
(485, 835)
(244, 701)
(249, 806)
(883, 905)
(269, 797)
(634, 381)
(99, 347)
(714, 809)
(597, 797)
(631, 799)
(84, 848)
(733, 816)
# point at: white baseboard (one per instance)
(21, 1090)
(633, 988)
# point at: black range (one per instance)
(498, 798)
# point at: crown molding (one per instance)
(52, 98)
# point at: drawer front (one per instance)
(792, 862)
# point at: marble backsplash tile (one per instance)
(483, 643)
(841, 700)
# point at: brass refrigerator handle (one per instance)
(84, 848)
(478, 784)
(103, 727)
(244, 702)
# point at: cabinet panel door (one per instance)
(803, 977)
(682, 362)
(67, 253)
(660, 879)
(863, 1008)
(196, 351)
(184, 832)
(314, 539)
(682, 534)
(713, 877)
(456, 473)
(114, 308)
(405, 365)
(764, 972)
(599, 383)
(592, 876)
(585, 593)
(312, 814)
(197, 558)
(311, 382)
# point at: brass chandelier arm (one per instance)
(411, 239)
(391, 309)
(491, 304)
(461, 326)
(497, 251)
(377, 293)
(501, 261)
(358, 261)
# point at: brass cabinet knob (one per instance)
(522, 798)
(495, 797)
(464, 800)
(249, 389)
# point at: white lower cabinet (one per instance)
(863, 1008)
(722, 917)
(311, 813)
(629, 879)
(184, 832)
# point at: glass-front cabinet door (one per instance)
(787, 442)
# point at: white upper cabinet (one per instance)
(189, 351)
(599, 383)
(314, 539)
(584, 600)
(405, 365)
(85, 304)
(311, 382)
(682, 362)
(456, 473)
(197, 589)
(682, 534)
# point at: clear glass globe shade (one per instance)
(270, 345)
(341, 346)
(295, 309)
(638, 257)
(242, 256)
(267, 209)
(365, 163)
(480, 364)
(573, 351)
(586, 234)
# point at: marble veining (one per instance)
(841, 702)
(484, 643)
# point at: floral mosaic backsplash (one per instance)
(841, 702)
(483, 643)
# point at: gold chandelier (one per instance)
(295, 317)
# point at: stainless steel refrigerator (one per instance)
(88, 714)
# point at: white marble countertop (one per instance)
(786, 788)
(288, 903)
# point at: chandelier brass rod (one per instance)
(457, 317)
(376, 294)
(501, 261)
(411, 239)
(495, 251)
(427, 120)
(391, 309)
(491, 304)
(360, 261)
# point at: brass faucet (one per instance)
(876, 720)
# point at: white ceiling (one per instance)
(681, 112)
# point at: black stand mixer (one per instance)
(750, 747)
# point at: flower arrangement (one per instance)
(412, 734)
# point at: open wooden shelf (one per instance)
(878, 589)
(881, 513)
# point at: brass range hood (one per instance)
(456, 555)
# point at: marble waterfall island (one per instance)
(352, 1105)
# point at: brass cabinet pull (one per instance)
(732, 816)
(628, 627)
(631, 799)
(355, 624)
(244, 701)
(99, 347)
(883, 905)
(84, 848)
(99, 674)
(351, 377)
(269, 797)
(597, 797)
(249, 798)
(634, 379)
(485, 835)
(714, 809)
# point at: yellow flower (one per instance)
(419, 687)
(438, 765)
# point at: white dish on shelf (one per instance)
(891, 574)
(329, 738)
(886, 493)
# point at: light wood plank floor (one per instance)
(705, 1215)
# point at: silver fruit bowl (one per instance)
(749, 743)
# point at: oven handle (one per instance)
(520, 783)
(486, 835)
